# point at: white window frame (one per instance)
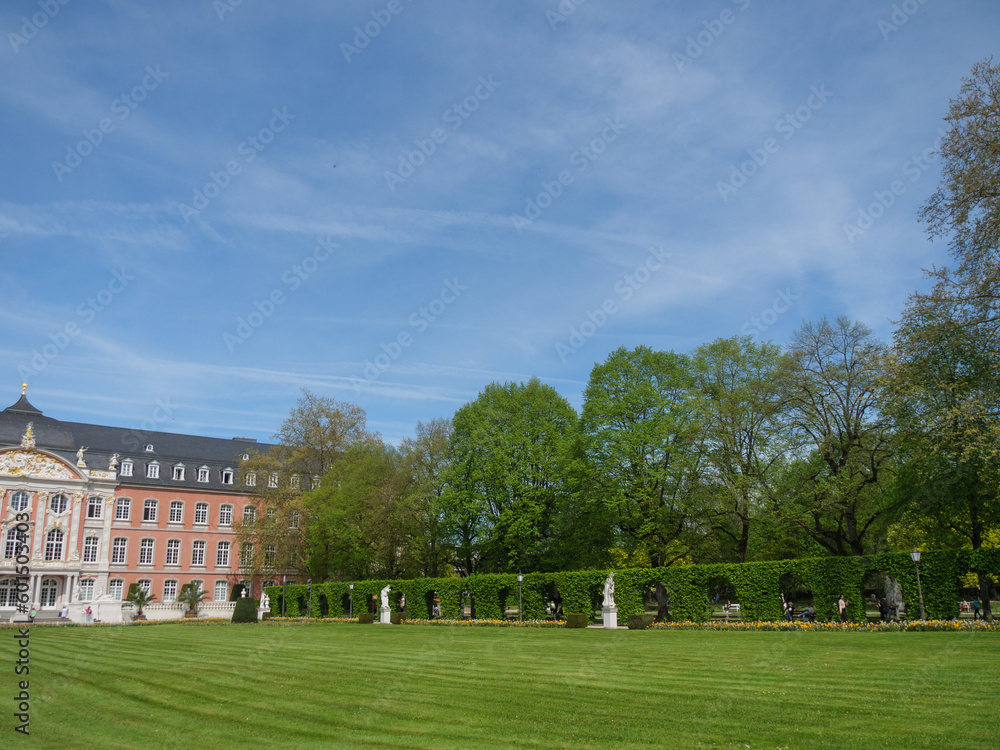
(153, 470)
(249, 514)
(59, 503)
(178, 473)
(123, 508)
(222, 555)
(198, 553)
(225, 515)
(95, 507)
(170, 590)
(173, 554)
(116, 588)
(20, 501)
(201, 513)
(86, 590)
(227, 476)
(125, 468)
(145, 584)
(178, 517)
(119, 552)
(147, 552)
(251, 480)
(203, 474)
(54, 546)
(272, 480)
(91, 546)
(222, 586)
(150, 509)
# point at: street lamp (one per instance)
(520, 604)
(915, 556)
(351, 594)
(309, 587)
(284, 581)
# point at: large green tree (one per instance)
(744, 443)
(505, 479)
(836, 488)
(427, 456)
(642, 441)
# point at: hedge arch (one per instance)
(757, 586)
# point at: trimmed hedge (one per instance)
(757, 588)
(245, 610)
(366, 618)
(640, 621)
(577, 620)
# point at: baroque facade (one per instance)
(87, 510)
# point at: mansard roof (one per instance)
(102, 442)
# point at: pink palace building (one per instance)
(106, 507)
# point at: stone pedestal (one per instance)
(384, 616)
(610, 617)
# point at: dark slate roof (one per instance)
(169, 449)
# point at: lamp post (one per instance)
(520, 603)
(309, 588)
(915, 556)
(351, 594)
(284, 581)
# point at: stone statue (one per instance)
(609, 590)
(79, 458)
(265, 601)
(28, 439)
(113, 462)
(385, 597)
(244, 594)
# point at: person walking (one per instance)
(842, 606)
(975, 609)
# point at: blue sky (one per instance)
(208, 206)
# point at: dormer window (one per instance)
(149, 447)
(152, 470)
(202, 473)
(272, 480)
(246, 456)
(251, 479)
(125, 468)
(227, 476)
(294, 481)
(179, 473)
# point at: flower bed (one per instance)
(492, 623)
(949, 626)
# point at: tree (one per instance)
(317, 433)
(742, 422)
(641, 440)
(966, 204)
(836, 488)
(505, 478)
(427, 457)
(363, 519)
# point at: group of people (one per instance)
(974, 607)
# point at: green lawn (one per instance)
(321, 686)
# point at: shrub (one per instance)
(365, 618)
(640, 621)
(397, 617)
(576, 620)
(246, 610)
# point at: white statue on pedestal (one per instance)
(609, 590)
(265, 601)
(385, 597)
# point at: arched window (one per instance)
(58, 503)
(49, 588)
(54, 545)
(8, 592)
(11, 543)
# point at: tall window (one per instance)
(125, 468)
(145, 584)
(149, 510)
(48, 597)
(198, 553)
(58, 503)
(201, 513)
(179, 475)
(222, 555)
(221, 591)
(270, 556)
(169, 591)
(95, 507)
(293, 519)
(246, 554)
(249, 514)
(173, 552)
(123, 508)
(146, 552)
(176, 511)
(119, 550)
(19, 501)
(54, 545)
(116, 586)
(86, 590)
(90, 549)
(8, 592)
(225, 515)
(12, 543)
